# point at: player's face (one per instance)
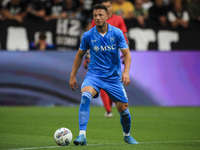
(108, 6)
(100, 16)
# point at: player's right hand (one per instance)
(73, 83)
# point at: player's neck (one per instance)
(103, 29)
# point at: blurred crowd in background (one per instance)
(174, 13)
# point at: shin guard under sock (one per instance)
(125, 119)
(84, 110)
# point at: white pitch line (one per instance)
(156, 142)
(36, 148)
(160, 142)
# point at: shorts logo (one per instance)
(112, 39)
(96, 48)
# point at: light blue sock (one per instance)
(84, 110)
(125, 119)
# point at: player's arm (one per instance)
(76, 65)
(127, 63)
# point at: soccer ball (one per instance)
(63, 136)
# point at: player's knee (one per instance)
(121, 106)
(86, 97)
(125, 112)
(89, 89)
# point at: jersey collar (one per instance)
(109, 28)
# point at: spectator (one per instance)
(147, 4)
(15, 10)
(72, 8)
(86, 12)
(123, 8)
(36, 9)
(41, 43)
(193, 8)
(178, 17)
(139, 13)
(1, 11)
(158, 13)
(54, 10)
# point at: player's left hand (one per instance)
(73, 83)
(125, 79)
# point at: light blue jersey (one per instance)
(105, 64)
(104, 52)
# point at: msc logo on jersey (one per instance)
(108, 47)
(105, 48)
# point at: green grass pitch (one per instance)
(155, 128)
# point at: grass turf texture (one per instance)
(155, 128)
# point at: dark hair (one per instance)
(42, 36)
(100, 6)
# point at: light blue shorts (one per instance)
(114, 89)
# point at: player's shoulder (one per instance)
(89, 32)
(114, 29)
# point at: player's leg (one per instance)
(84, 112)
(107, 103)
(118, 94)
(111, 103)
(125, 119)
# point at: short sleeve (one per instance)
(84, 43)
(122, 44)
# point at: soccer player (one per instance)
(118, 22)
(104, 72)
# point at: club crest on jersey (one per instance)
(96, 48)
(112, 39)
